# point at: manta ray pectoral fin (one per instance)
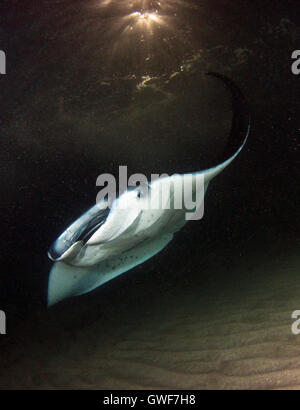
(66, 281)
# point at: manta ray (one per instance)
(105, 242)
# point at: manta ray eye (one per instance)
(143, 190)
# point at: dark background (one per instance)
(73, 105)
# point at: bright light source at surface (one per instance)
(146, 18)
(162, 12)
(142, 32)
(148, 5)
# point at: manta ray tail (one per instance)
(239, 132)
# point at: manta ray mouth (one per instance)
(69, 243)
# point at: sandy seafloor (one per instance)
(229, 332)
(82, 97)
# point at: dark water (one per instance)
(89, 87)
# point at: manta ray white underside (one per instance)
(103, 244)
